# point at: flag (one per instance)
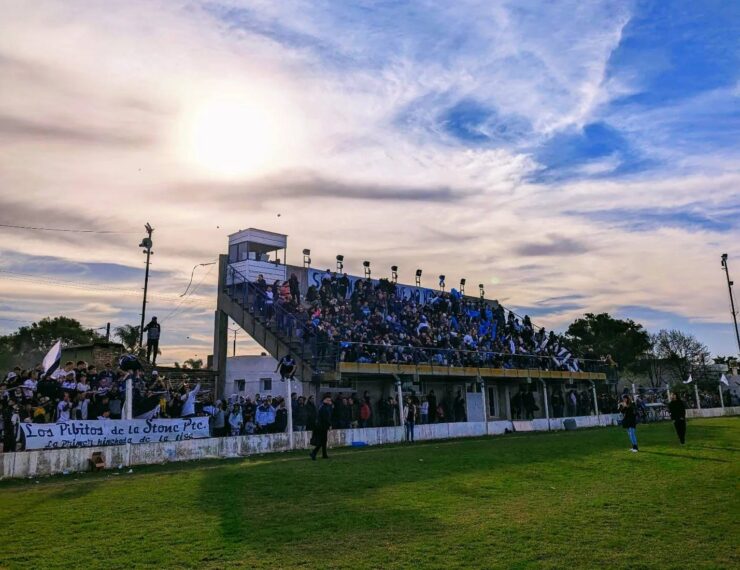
(689, 380)
(149, 415)
(724, 380)
(53, 358)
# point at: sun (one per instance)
(230, 137)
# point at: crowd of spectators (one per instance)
(83, 392)
(371, 323)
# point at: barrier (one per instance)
(38, 463)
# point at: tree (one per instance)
(129, 337)
(193, 363)
(682, 354)
(28, 344)
(596, 336)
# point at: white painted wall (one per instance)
(252, 369)
(50, 462)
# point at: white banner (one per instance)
(112, 432)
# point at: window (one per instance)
(232, 253)
(242, 251)
(241, 385)
(266, 384)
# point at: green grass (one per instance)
(556, 500)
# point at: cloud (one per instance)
(48, 132)
(568, 150)
(556, 245)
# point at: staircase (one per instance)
(276, 330)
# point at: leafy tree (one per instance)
(28, 344)
(596, 336)
(194, 363)
(129, 337)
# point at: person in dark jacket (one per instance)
(528, 404)
(677, 409)
(153, 331)
(629, 419)
(300, 415)
(321, 431)
(281, 418)
(311, 412)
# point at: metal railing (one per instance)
(456, 358)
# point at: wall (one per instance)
(252, 369)
(50, 462)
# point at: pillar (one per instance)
(220, 350)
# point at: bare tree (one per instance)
(681, 354)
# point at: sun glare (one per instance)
(231, 137)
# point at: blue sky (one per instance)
(573, 156)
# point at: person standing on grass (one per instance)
(409, 415)
(320, 434)
(629, 419)
(677, 409)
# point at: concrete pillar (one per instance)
(289, 407)
(399, 393)
(721, 397)
(482, 386)
(696, 395)
(546, 403)
(507, 403)
(220, 350)
(596, 401)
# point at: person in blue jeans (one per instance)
(409, 414)
(629, 419)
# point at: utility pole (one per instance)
(730, 283)
(107, 332)
(234, 347)
(146, 243)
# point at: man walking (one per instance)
(321, 430)
(677, 409)
(152, 331)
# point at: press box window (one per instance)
(266, 384)
(241, 385)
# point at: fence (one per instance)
(52, 462)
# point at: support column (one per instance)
(546, 403)
(220, 350)
(482, 386)
(721, 397)
(507, 404)
(596, 401)
(696, 395)
(399, 393)
(289, 407)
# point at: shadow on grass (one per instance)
(360, 488)
(684, 456)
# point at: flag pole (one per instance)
(721, 397)
(696, 394)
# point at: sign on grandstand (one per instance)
(112, 432)
(419, 294)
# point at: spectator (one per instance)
(265, 417)
(300, 415)
(153, 330)
(409, 415)
(236, 420)
(64, 408)
(281, 418)
(320, 436)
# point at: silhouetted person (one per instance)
(320, 434)
(152, 330)
(677, 409)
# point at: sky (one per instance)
(572, 156)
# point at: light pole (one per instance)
(146, 243)
(730, 283)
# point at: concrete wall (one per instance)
(252, 369)
(51, 462)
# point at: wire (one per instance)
(186, 299)
(193, 273)
(71, 230)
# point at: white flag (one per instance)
(724, 380)
(689, 380)
(149, 415)
(53, 358)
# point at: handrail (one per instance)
(472, 358)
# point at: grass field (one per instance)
(555, 500)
